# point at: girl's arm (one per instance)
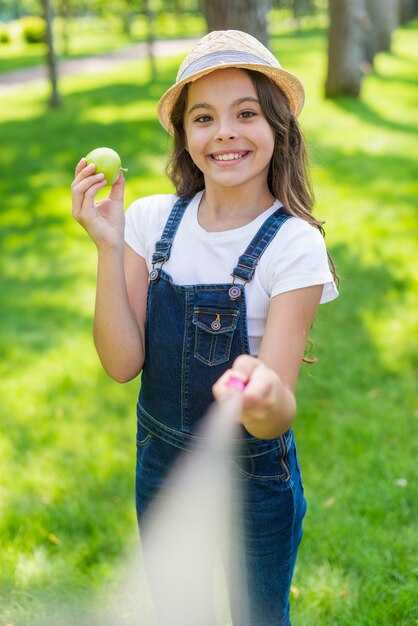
(269, 405)
(119, 318)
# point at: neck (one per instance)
(227, 208)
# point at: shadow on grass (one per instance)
(361, 110)
(288, 46)
(379, 179)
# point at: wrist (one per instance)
(110, 249)
(271, 421)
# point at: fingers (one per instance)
(261, 388)
(90, 188)
(80, 165)
(242, 369)
(222, 388)
(85, 186)
(245, 365)
(261, 384)
(83, 172)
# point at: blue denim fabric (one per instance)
(193, 334)
(271, 497)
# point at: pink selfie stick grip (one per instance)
(236, 383)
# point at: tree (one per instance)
(371, 44)
(302, 7)
(247, 15)
(55, 99)
(64, 9)
(383, 19)
(346, 37)
(408, 9)
(150, 40)
(388, 22)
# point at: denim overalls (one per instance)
(193, 334)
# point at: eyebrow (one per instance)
(205, 105)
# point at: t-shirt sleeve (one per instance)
(300, 260)
(144, 222)
(136, 227)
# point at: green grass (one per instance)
(68, 432)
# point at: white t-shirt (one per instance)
(295, 258)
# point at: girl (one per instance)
(221, 280)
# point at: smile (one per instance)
(229, 156)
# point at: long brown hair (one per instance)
(288, 176)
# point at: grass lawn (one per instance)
(67, 441)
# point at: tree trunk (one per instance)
(55, 98)
(407, 10)
(389, 19)
(300, 9)
(127, 21)
(345, 47)
(303, 7)
(150, 40)
(249, 16)
(64, 9)
(383, 18)
(371, 41)
(18, 9)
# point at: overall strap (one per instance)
(247, 262)
(163, 245)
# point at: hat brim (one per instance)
(289, 84)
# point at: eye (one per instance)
(247, 114)
(202, 119)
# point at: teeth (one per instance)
(230, 156)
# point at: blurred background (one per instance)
(78, 75)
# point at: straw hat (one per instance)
(230, 48)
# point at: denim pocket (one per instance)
(214, 331)
(266, 463)
(299, 468)
(143, 435)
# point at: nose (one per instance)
(225, 131)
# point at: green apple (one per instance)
(107, 162)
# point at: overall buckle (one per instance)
(235, 290)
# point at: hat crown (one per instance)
(222, 49)
(227, 41)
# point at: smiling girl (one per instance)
(221, 279)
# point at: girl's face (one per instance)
(227, 135)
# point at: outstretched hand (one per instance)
(104, 220)
(262, 397)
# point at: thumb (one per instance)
(118, 188)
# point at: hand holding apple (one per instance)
(104, 220)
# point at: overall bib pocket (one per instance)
(214, 331)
